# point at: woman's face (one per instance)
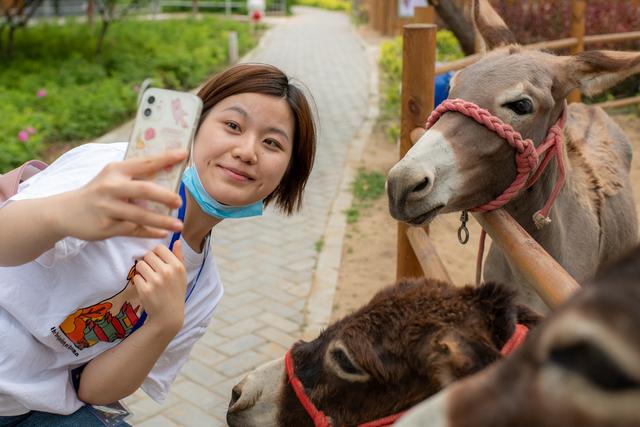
(243, 147)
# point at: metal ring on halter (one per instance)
(463, 232)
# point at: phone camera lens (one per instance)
(151, 99)
(147, 112)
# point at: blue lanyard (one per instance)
(174, 239)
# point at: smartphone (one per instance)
(166, 120)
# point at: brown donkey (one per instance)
(407, 343)
(459, 164)
(580, 367)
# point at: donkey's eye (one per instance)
(592, 363)
(343, 362)
(520, 107)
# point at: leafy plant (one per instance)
(57, 86)
(344, 5)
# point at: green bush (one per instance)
(448, 49)
(88, 94)
(344, 5)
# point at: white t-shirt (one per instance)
(75, 301)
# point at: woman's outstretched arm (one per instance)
(99, 210)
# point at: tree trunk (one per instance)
(458, 22)
(9, 50)
(90, 12)
(103, 32)
(194, 7)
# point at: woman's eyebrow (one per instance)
(238, 110)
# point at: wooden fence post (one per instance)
(578, 18)
(376, 13)
(424, 15)
(418, 73)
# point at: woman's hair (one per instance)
(269, 80)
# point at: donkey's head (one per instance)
(581, 367)
(410, 341)
(459, 164)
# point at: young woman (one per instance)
(86, 266)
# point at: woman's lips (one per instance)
(236, 174)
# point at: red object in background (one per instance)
(256, 16)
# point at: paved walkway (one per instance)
(278, 284)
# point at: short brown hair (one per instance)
(269, 80)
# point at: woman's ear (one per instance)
(491, 29)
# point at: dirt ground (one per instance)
(369, 251)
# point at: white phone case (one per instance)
(166, 119)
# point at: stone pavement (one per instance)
(280, 272)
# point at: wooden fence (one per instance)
(383, 17)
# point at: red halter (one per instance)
(321, 420)
(527, 158)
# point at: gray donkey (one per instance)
(463, 161)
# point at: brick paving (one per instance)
(271, 266)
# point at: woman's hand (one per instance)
(104, 207)
(161, 282)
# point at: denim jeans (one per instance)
(83, 417)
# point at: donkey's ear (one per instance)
(451, 355)
(492, 31)
(597, 70)
(497, 305)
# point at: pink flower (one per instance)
(136, 88)
(23, 136)
(31, 130)
(42, 93)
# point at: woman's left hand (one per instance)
(161, 282)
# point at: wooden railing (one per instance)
(384, 18)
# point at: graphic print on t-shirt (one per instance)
(109, 320)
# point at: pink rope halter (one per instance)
(527, 159)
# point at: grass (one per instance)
(367, 187)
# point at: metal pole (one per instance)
(233, 47)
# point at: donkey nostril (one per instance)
(422, 185)
(236, 392)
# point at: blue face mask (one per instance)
(212, 207)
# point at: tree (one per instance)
(16, 14)
(458, 22)
(110, 13)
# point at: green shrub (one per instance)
(89, 94)
(344, 5)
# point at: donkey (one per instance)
(459, 164)
(580, 368)
(407, 343)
